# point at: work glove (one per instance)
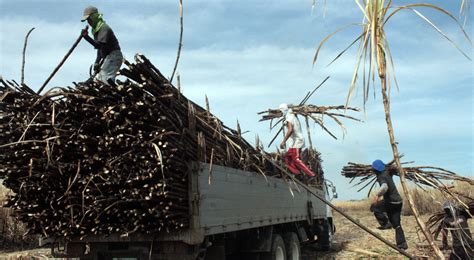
(84, 32)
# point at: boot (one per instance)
(400, 238)
(386, 226)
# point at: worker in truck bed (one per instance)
(393, 201)
(296, 141)
(109, 57)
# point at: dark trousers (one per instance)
(461, 253)
(394, 212)
(380, 212)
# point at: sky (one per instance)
(248, 56)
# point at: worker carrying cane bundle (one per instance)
(392, 200)
(455, 222)
(295, 139)
(109, 57)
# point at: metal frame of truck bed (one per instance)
(224, 200)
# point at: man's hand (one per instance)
(282, 145)
(376, 199)
(84, 32)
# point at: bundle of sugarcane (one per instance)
(312, 112)
(97, 159)
(422, 176)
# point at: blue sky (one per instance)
(248, 56)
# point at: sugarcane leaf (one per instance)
(315, 58)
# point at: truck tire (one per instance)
(278, 250)
(292, 245)
(325, 236)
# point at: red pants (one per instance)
(295, 164)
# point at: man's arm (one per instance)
(93, 42)
(97, 61)
(460, 219)
(287, 135)
(383, 189)
(96, 45)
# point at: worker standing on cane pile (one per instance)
(393, 201)
(296, 142)
(455, 221)
(109, 57)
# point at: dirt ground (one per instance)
(40, 253)
(350, 242)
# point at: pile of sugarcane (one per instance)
(312, 158)
(422, 176)
(314, 113)
(96, 159)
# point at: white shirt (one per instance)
(296, 139)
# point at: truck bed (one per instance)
(225, 199)
(237, 200)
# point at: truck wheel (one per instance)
(325, 236)
(278, 250)
(292, 245)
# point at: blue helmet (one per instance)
(378, 165)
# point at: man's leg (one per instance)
(380, 214)
(462, 252)
(394, 214)
(289, 161)
(301, 165)
(110, 67)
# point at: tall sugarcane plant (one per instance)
(374, 58)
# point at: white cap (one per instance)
(283, 108)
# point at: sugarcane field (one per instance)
(236, 130)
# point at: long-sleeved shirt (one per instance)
(383, 189)
(390, 193)
(104, 41)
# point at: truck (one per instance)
(234, 214)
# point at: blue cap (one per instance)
(378, 165)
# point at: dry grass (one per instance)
(350, 242)
(354, 205)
